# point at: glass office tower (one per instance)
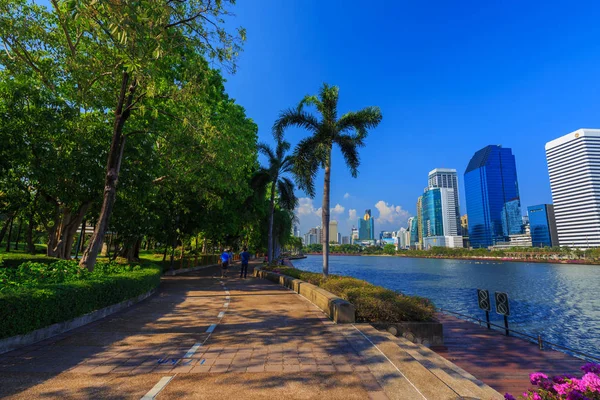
(542, 225)
(366, 227)
(492, 196)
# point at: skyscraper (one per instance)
(447, 178)
(492, 194)
(333, 231)
(366, 227)
(413, 228)
(574, 168)
(419, 244)
(542, 225)
(438, 212)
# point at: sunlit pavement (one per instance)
(207, 338)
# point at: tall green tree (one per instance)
(279, 164)
(314, 152)
(131, 60)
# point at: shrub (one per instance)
(59, 296)
(564, 387)
(372, 303)
(13, 260)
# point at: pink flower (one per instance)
(591, 367)
(562, 388)
(590, 381)
(508, 396)
(537, 377)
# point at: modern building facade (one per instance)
(345, 239)
(419, 244)
(354, 235)
(333, 231)
(574, 169)
(542, 225)
(448, 179)
(464, 225)
(439, 218)
(366, 227)
(413, 232)
(492, 197)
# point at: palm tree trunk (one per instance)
(325, 215)
(271, 217)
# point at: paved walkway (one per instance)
(502, 362)
(203, 338)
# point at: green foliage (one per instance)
(13, 260)
(26, 308)
(389, 249)
(372, 303)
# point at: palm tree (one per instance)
(314, 152)
(278, 165)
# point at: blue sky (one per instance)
(449, 77)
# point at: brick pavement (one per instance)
(217, 340)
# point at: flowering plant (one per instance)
(564, 387)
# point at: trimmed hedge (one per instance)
(13, 260)
(372, 303)
(29, 308)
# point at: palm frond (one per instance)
(309, 100)
(287, 164)
(329, 96)
(281, 149)
(349, 147)
(267, 151)
(294, 117)
(360, 121)
(308, 158)
(287, 197)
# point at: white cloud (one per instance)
(306, 207)
(338, 209)
(347, 196)
(391, 217)
(352, 214)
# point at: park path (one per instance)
(201, 337)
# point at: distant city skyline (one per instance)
(501, 74)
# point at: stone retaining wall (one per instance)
(338, 309)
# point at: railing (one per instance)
(538, 340)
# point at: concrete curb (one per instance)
(15, 342)
(336, 308)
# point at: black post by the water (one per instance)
(506, 324)
(487, 319)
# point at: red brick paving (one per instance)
(502, 362)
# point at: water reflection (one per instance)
(560, 302)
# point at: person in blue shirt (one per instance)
(225, 258)
(245, 257)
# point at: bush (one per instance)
(372, 303)
(13, 260)
(29, 305)
(564, 387)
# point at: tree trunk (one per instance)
(19, 233)
(9, 234)
(271, 217)
(4, 229)
(30, 244)
(165, 253)
(136, 249)
(64, 234)
(113, 167)
(325, 215)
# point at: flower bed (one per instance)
(36, 295)
(372, 303)
(564, 387)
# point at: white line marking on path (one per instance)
(221, 315)
(227, 298)
(157, 388)
(211, 328)
(226, 305)
(227, 292)
(390, 361)
(192, 350)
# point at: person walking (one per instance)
(244, 257)
(225, 258)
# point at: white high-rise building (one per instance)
(574, 169)
(333, 231)
(447, 178)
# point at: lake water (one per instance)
(560, 302)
